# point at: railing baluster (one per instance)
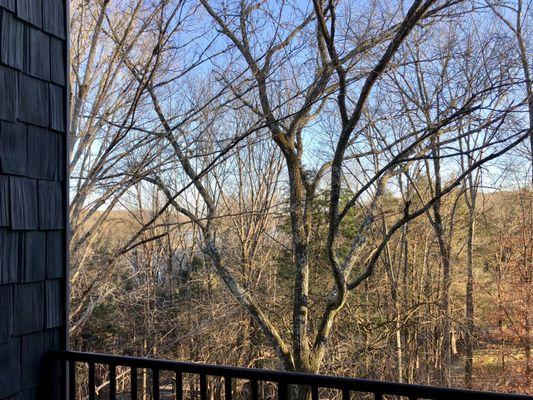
(227, 387)
(345, 394)
(179, 385)
(92, 388)
(314, 393)
(155, 384)
(133, 385)
(203, 387)
(282, 390)
(112, 382)
(255, 389)
(72, 380)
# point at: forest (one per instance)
(324, 186)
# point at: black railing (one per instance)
(282, 384)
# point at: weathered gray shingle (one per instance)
(54, 18)
(13, 148)
(42, 153)
(54, 254)
(57, 61)
(8, 4)
(50, 205)
(6, 309)
(4, 201)
(11, 40)
(9, 256)
(10, 366)
(54, 302)
(37, 60)
(33, 101)
(31, 11)
(33, 256)
(29, 308)
(24, 204)
(33, 351)
(57, 108)
(9, 90)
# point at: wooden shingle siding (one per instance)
(37, 54)
(11, 40)
(6, 309)
(57, 108)
(8, 5)
(57, 59)
(28, 308)
(54, 20)
(43, 153)
(11, 368)
(54, 250)
(33, 255)
(13, 148)
(31, 11)
(33, 108)
(24, 204)
(32, 347)
(54, 299)
(9, 90)
(9, 256)
(33, 101)
(50, 207)
(4, 201)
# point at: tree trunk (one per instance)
(470, 327)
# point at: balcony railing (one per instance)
(281, 383)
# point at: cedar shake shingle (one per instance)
(9, 256)
(31, 11)
(10, 367)
(13, 148)
(37, 60)
(6, 309)
(24, 204)
(4, 201)
(11, 40)
(9, 90)
(50, 205)
(54, 18)
(33, 101)
(28, 308)
(42, 151)
(54, 301)
(57, 60)
(33, 256)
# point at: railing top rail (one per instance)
(290, 378)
